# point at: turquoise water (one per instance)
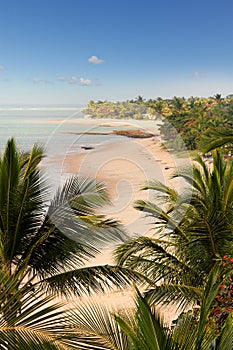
(55, 128)
(52, 128)
(27, 126)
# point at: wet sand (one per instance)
(125, 167)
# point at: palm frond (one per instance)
(9, 178)
(154, 259)
(215, 138)
(90, 279)
(162, 189)
(31, 160)
(208, 295)
(225, 339)
(82, 195)
(69, 243)
(98, 328)
(164, 220)
(178, 295)
(29, 319)
(21, 209)
(146, 331)
(70, 234)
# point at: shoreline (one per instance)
(120, 174)
(124, 166)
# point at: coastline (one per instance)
(124, 166)
(117, 166)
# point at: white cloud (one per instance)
(95, 60)
(61, 78)
(73, 80)
(85, 82)
(2, 67)
(198, 75)
(40, 80)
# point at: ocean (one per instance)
(59, 130)
(52, 127)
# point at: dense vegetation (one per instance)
(187, 117)
(45, 243)
(192, 233)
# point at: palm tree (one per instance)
(48, 242)
(41, 323)
(139, 99)
(178, 103)
(45, 324)
(215, 138)
(218, 97)
(143, 329)
(193, 231)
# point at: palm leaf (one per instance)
(215, 138)
(28, 320)
(146, 331)
(225, 340)
(154, 259)
(180, 295)
(98, 329)
(41, 239)
(90, 279)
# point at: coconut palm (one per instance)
(143, 329)
(41, 324)
(44, 324)
(215, 137)
(48, 242)
(192, 232)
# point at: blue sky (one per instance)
(71, 51)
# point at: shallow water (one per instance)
(47, 127)
(56, 128)
(58, 131)
(53, 128)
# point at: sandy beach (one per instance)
(124, 167)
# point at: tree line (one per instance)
(46, 242)
(189, 117)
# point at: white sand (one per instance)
(124, 167)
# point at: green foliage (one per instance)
(223, 303)
(48, 241)
(118, 110)
(194, 117)
(217, 137)
(142, 328)
(188, 118)
(193, 230)
(31, 320)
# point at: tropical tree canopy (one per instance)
(192, 232)
(48, 241)
(142, 328)
(215, 138)
(189, 117)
